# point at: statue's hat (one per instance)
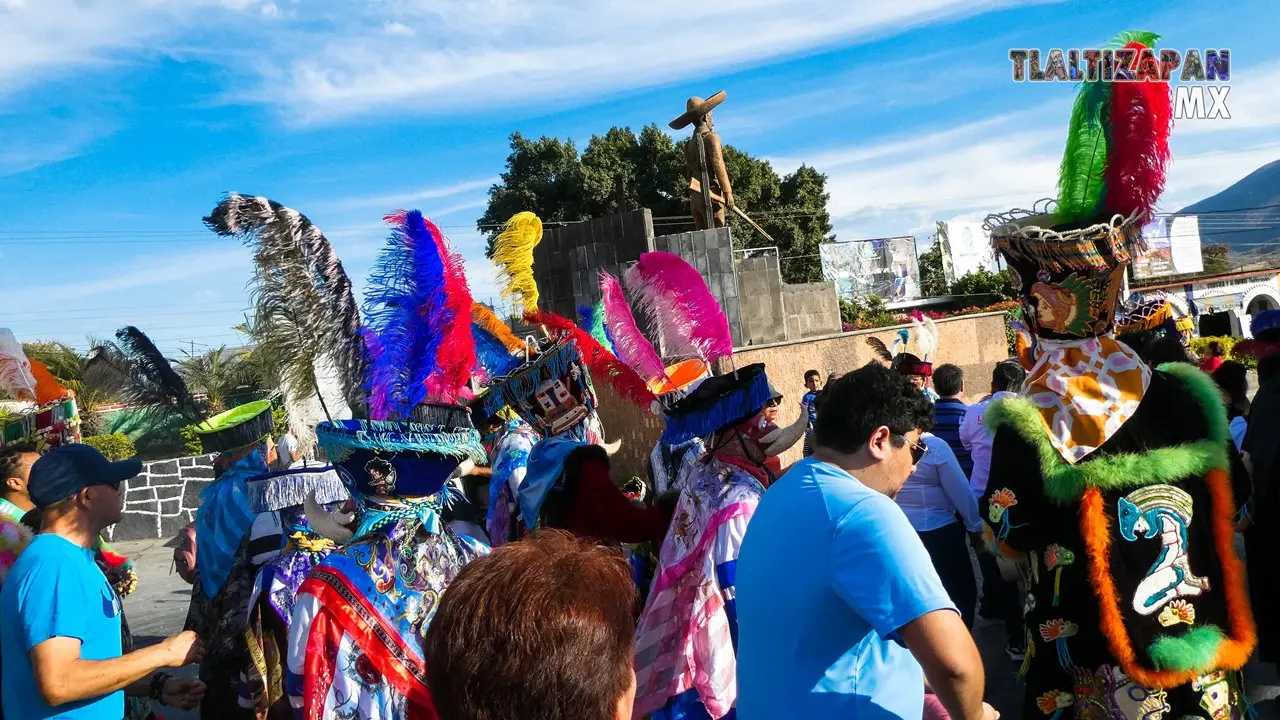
(696, 108)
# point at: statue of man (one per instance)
(704, 162)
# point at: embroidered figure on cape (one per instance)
(1057, 557)
(1178, 611)
(1064, 308)
(1109, 693)
(1163, 511)
(998, 511)
(1057, 632)
(1215, 694)
(1054, 702)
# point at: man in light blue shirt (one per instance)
(60, 638)
(840, 611)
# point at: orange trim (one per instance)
(1095, 527)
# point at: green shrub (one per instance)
(1200, 346)
(190, 441)
(116, 446)
(279, 422)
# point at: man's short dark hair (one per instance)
(540, 629)
(811, 374)
(865, 399)
(1008, 376)
(11, 459)
(1164, 349)
(948, 380)
(1269, 369)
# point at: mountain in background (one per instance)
(1250, 232)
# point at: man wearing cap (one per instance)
(61, 640)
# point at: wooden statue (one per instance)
(704, 163)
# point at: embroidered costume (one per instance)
(359, 618)
(686, 640)
(1111, 482)
(278, 499)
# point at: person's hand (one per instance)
(978, 542)
(989, 713)
(182, 693)
(184, 648)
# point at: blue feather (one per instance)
(492, 355)
(405, 305)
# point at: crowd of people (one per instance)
(463, 549)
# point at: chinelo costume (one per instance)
(1143, 318)
(359, 617)
(1110, 482)
(687, 635)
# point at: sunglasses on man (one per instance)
(917, 449)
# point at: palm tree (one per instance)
(218, 374)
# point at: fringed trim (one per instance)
(340, 437)
(1095, 248)
(289, 488)
(523, 383)
(701, 422)
(1231, 653)
(1065, 483)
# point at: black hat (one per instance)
(68, 469)
(718, 402)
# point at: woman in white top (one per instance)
(939, 503)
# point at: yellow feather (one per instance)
(513, 254)
(481, 315)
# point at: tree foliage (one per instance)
(220, 374)
(621, 171)
(933, 278)
(116, 446)
(985, 282)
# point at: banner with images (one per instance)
(885, 267)
(1173, 248)
(968, 245)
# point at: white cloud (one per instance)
(398, 29)
(391, 201)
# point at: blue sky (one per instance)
(123, 122)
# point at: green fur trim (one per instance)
(1197, 650)
(1065, 483)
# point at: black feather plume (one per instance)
(878, 347)
(134, 368)
(306, 314)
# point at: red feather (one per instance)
(1141, 120)
(600, 361)
(457, 353)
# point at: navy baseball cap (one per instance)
(68, 469)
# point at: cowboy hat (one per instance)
(695, 109)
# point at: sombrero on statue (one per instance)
(695, 108)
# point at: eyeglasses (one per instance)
(917, 450)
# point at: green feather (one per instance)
(1085, 157)
(1146, 38)
(1196, 650)
(597, 328)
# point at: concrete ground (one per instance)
(158, 609)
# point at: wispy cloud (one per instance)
(391, 201)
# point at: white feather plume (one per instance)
(15, 369)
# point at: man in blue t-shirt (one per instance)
(839, 607)
(60, 638)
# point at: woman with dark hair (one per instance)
(1214, 357)
(1164, 349)
(1233, 379)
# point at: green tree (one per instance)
(620, 171)
(218, 374)
(1216, 260)
(933, 279)
(985, 282)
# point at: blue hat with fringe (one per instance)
(396, 458)
(552, 392)
(716, 403)
(282, 489)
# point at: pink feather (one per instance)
(676, 299)
(457, 353)
(631, 345)
(1141, 118)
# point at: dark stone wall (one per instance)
(568, 261)
(163, 499)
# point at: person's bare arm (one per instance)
(952, 666)
(62, 676)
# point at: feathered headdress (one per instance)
(498, 351)
(677, 302)
(135, 369)
(592, 320)
(1117, 148)
(600, 362)
(16, 378)
(306, 317)
(513, 254)
(419, 315)
(632, 346)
